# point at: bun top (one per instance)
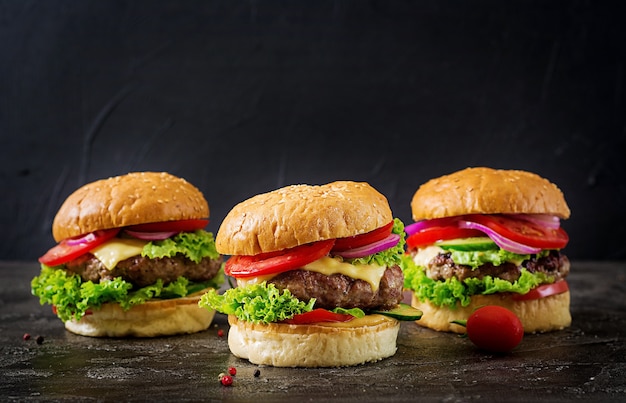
(488, 191)
(134, 198)
(301, 214)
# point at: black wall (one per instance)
(242, 97)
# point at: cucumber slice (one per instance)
(402, 312)
(468, 244)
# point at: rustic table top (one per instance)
(584, 362)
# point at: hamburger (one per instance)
(319, 282)
(485, 236)
(132, 258)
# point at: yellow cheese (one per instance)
(114, 251)
(425, 255)
(370, 273)
(244, 282)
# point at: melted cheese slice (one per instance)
(425, 255)
(370, 273)
(114, 251)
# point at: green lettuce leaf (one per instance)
(476, 259)
(389, 257)
(258, 303)
(356, 312)
(453, 291)
(72, 297)
(194, 245)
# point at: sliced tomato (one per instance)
(318, 315)
(543, 291)
(277, 262)
(71, 248)
(356, 241)
(431, 235)
(523, 231)
(170, 226)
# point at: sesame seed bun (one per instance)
(301, 214)
(488, 191)
(134, 198)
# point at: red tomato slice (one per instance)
(356, 241)
(277, 262)
(522, 231)
(69, 249)
(318, 315)
(431, 235)
(170, 226)
(543, 291)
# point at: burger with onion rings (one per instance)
(484, 236)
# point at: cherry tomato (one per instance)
(494, 328)
(318, 315)
(71, 248)
(523, 231)
(277, 262)
(356, 241)
(431, 235)
(543, 291)
(170, 226)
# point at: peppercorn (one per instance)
(220, 333)
(232, 371)
(39, 339)
(26, 336)
(227, 380)
(257, 372)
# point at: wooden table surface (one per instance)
(584, 362)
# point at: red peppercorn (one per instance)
(232, 371)
(220, 333)
(26, 336)
(227, 380)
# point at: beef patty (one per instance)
(142, 271)
(338, 290)
(554, 264)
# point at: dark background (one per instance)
(242, 97)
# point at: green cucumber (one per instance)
(402, 312)
(468, 244)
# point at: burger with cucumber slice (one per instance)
(132, 258)
(485, 236)
(318, 274)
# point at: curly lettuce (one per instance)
(72, 297)
(452, 290)
(259, 303)
(194, 245)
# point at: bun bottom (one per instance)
(362, 340)
(151, 319)
(537, 315)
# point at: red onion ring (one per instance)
(542, 220)
(425, 224)
(374, 247)
(502, 242)
(90, 237)
(151, 236)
